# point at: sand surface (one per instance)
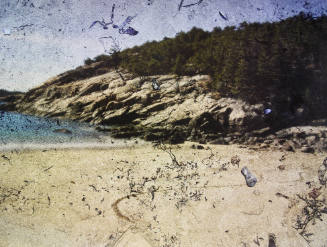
(136, 196)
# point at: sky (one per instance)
(43, 38)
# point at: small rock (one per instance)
(235, 160)
(301, 135)
(282, 158)
(268, 141)
(63, 131)
(307, 149)
(202, 141)
(219, 140)
(281, 141)
(311, 140)
(271, 137)
(314, 193)
(199, 147)
(261, 131)
(264, 145)
(252, 140)
(272, 240)
(228, 139)
(288, 147)
(281, 167)
(250, 179)
(296, 144)
(260, 140)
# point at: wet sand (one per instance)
(136, 196)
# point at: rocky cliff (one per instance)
(9, 96)
(182, 108)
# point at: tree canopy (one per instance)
(251, 61)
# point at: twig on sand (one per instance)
(281, 195)
(94, 188)
(5, 157)
(313, 210)
(168, 150)
(48, 168)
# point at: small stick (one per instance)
(48, 168)
(281, 195)
(93, 187)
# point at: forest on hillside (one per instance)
(4, 93)
(283, 62)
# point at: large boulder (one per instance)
(205, 122)
(238, 116)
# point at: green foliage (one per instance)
(101, 58)
(4, 93)
(252, 61)
(88, 61)
(179, 65)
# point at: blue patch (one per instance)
(267, 111)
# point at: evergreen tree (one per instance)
(178, 68)
(286, 56)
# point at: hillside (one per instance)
(282, 63)
(4, 93)
(201, 97)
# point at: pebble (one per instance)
(250, 179)
(307, 149)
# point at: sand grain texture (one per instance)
(136, 196)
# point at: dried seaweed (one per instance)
(312, 211)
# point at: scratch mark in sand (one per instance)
(254, 212)
(116, 209)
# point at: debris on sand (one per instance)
(312, 211)
(235, 160)
(322, 173)
(272, 240)
(250, 179)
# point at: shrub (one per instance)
(88, 61)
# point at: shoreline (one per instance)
(72, 145)
(136, 196)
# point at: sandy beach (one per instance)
(137, 196)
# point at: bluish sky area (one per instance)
(42, 38)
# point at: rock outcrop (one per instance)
(182, 109)
(307, 139)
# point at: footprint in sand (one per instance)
(131, 239)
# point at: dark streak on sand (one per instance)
(116, 209)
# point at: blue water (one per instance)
(19, 130)
(24, 128)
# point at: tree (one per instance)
(178, 68)
(88, 61)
